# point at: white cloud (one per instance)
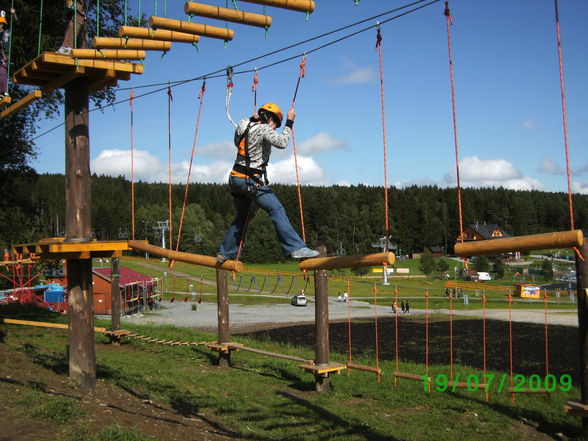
(417, 181)
(284, 171)
(116, 162)
(219, 149)
(476, 172)
(528, 124)
(580, 187)
(321, 142)
(359, 75)
(549, 167)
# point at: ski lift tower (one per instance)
(382, 244)
(162, 226)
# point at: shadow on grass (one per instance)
(55, 362)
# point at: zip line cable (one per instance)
(221, 73)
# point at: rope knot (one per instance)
(303, 67)
(447, 13)
(378, 38)
(255, 82)
(230, 77)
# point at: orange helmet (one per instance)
(275, 110)
(3, 20)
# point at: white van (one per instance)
(484, 276)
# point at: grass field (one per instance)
(258, 398)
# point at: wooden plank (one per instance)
(528, 391)
(6, 100)
(196, 259)
(376, 259)
(106, 77)
(409, 376)
(53, 58)
(109, 54)
(576, 408)
(192, 28)
(62, 80)
(361, 367)
(227, 14)
(21, 104)
(89, 246)
(238, 346)
(131, 43)
(564, 239)
(322, 369)
(44, 324)
(293, 5)
(157, 34)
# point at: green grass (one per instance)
(38, 404)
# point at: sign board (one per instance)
(402, 270)
(531, 292)
(381, 270)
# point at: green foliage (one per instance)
(547, 269)
(499, 268)
(482, 264)
(427, 262)
(442, 265)
(43, 405)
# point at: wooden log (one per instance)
(196, 259)
(131, 43)
(293, 5)
(376, 259)
(222, 295)
(361, 367)
(227, 14)
(563, 239)
(157, 34)
(44, 324)
(513, 390)
(464, 385)
(21, 104)
(115, 294)
(109, 54)
(63, 79)
(582, 293)
(409, 376)
(191, 28)
(269, 354)
(4, 101)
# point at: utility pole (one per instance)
(162, 226)
(385, 246)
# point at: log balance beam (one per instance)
(21, 104)
(326, 263)
(44, 324)
(191, 28)
(563, 239)
(293, 5)
(109, 54)
(131, 43)
(159, 34)
(195, 259)
(232, 15)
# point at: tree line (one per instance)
(347, 219)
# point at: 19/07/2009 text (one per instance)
(520, 383)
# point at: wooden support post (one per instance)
(222, 295)
(582, 286)
(115, 294)
(321, 317)
(78, 228)
(227, 14)
(191, 28)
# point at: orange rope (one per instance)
(427, 337)
(564, 115)
(201, 99)
(379, 49)
(254, 90)
(132, 95)
(300, 76)
(169, 164)
(376, 331)
(396, 329)
(510, 343)
(349, 324)
(451, 336)
(449, 22)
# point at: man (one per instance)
(4, 49)
(248, 182)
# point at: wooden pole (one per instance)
(222, 295)
(563, 239)
(159, 34)
(115, 294)
(131, 43)
(376, 259)
(109, 54)
(293, 5)
(582, 294)
(191, 28)
(78, 228)
(321, 317)
(227, 14)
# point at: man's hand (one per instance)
(291, 114)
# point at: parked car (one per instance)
(298, 300)
(484, 276)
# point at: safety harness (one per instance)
(258, 175)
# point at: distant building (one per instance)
(436, 251)
(482, 231)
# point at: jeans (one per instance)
(246, 200)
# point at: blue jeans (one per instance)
(245, 201)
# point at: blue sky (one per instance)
(509, 114)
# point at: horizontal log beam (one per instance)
(109, 54)
(157, 34)
(44, 324)
(563, 239)
(325, 263)
(293, 5)
(21, 104)
(131, 43)
(409, 376)
(227, 14)
(195, 259)
(361, 367)
(191, 28)
(269, 354)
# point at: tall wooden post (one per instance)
(115, 294)
(222, 295)
(582, 295)
(78, 227)
(321, 316)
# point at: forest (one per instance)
(347, 219)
